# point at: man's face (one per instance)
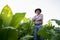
(38, 12)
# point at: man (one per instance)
(38, 21)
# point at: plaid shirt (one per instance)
(38, 19)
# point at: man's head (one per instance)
(38, 11)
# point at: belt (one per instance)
(39, 24)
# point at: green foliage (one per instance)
(16, 19)
(46, 31)
(27, 37)
(6, 15)
(8, 33)
(57, 21)
(9, 24)
(50, 32)
(26, 30)
(1, 22)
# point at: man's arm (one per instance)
(40, 18)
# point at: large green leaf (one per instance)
(8, 33)
(17, 19)
(6, 15)
(1, 22)
(43, 33)
(57, 34)
(57, 21)
(47, 31)
(26, 37)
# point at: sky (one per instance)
(50, 8)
